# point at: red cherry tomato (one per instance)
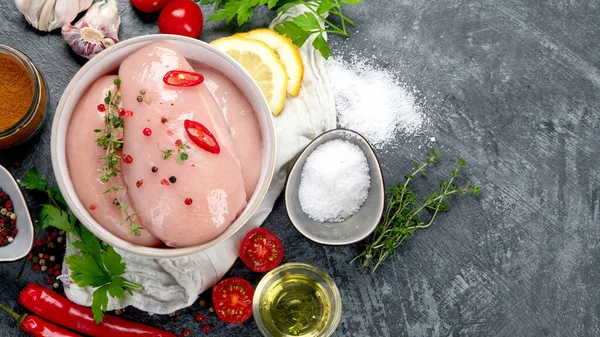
(201, 136)
(149, 6)
(261, 250)
(232, 300)
(181, 17)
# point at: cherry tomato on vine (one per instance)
(232, 300)
(261, 250)
(149, 6)
(181, 17)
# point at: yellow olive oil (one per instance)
(295, 305)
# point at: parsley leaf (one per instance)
(294, 32)
(307, 22)
(52, 216)
(33, 181)
(325, 6)
(112, 261)
(100, 303)
(321, 45)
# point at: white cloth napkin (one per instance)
(172, 284)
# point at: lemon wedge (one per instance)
(263, 65)
(287, 52)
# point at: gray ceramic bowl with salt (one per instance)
(356, 227)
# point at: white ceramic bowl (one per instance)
(107, 62)
(21, 246)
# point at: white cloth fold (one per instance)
(175, 283)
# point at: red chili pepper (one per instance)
(37, 327)
(51, 306)
(200, 135)
(182, 78)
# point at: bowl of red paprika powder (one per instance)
(23, 102)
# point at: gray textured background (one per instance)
(511, 86)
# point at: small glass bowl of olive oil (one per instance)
(297, 299)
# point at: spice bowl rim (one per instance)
(24, 239)
(288, 269)
(107, 62)
(375, 199)
(38, 87)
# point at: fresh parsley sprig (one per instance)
(97, 265)
(402, 216)
(297, 29)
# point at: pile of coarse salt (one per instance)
(373, 102)
(335, 181)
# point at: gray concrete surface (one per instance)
(512, 87)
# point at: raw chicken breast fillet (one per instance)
(84, 162)
(243, 125)
(213, 184)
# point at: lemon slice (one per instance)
(287, 52)
(263, 65)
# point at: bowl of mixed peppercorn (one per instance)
(16, 228)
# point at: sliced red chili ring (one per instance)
(200, 136)
(182, 78)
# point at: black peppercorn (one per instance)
(172, 179)
(154, 169)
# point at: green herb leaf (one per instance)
(100, 303)
(292, 31)
(33, 181)
(52, 216)
(181, 157)
(166, 154)
(321, 45)
(325, 6)
(112, 262)
(307, 22)
(117, 288)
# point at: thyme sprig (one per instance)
(135, 228)
(402, 216)
(111, 141)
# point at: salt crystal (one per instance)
(373, 102)
(335, 181)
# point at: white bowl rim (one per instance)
(23, 242)
(59, 164)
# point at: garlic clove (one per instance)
(30, 9)
(83, 5)
(97, 30)
(47, 15)
(65, 11)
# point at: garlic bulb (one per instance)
(48, 15)
(97, 30)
